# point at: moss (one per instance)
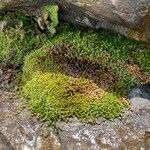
(17, 18)
(15, 43)
(142, 58)
(38, 61)
(87, 46)
(53, 14)
(124, 84)
(49, 18)
(54, 96)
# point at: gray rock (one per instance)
(140, 97)
(128, 17)
(4, 144)
(140, 103)
(132, 132)
(1, 72)
(3, 25)
(22, 130)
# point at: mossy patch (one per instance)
(16, 42)
(80, 52)
(142, 58)
(49, 18)
(54, 97)
(63, 76)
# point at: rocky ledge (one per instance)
(20, 130)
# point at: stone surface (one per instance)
(140, 97)
(7, 78)
(132, 132)
(127, 134)
(19, 130)
(128, 17)
(142, 91)
(22, 130)
(4, 144)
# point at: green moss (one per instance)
(54, 96)
(142, 57)
(51, 97)
(17, 18)
(38, 61)
(124, 84)
(88, 46)
(53, 14)
(15, 43)
(49, 17)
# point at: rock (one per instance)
(130, 18)
(49, 144)
(20, 129)
(4, 24)
(4, 144)
(142, 91)
(126, 134)
(7, 78)
(1, 72)
(139, 97)
(147, 140)
(25, 132)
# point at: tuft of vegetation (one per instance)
(52, 11)
(109, 50)
(49, 18)
(142, 58)
(57, 99)
(16, 42)
(54, 97)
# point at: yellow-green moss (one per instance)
(54, 101)
(54, 96)
(52, 11)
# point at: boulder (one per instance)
(128, 17)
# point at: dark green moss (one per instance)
(16, 42)
(142, 58)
